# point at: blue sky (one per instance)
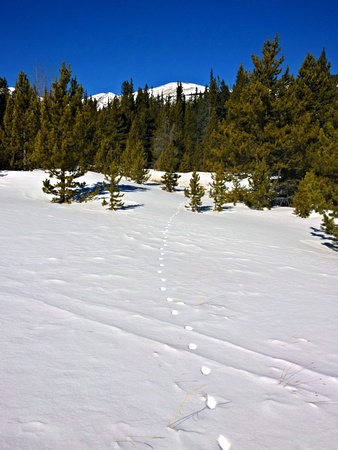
(156, 42)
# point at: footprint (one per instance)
(180, 303)
(161, 265)
(192, 346)
(163, 288)
(159, 271)
(161, 259)
(174, 312)
(163, 279)
(223, 442)
(211, 402)
(205, 370)
(188, 328)
(169, 299)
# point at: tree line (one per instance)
(275, 129)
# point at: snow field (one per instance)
(228, 340)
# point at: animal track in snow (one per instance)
(169, 299)
(174, 312)
(192, 346)
(163, 288)
(188, 328)
(223, 442)
(210, 402)
(205, 370)
(163, 279)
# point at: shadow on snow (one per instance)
(329, 241)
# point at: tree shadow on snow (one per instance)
(208, 208)
(204, 209)
(329, 242)
(131, 188)
(89, 191)
(126, 207)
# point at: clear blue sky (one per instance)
(155, 41)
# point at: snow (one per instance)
(103, 99)
(167, 90)
(238, 351)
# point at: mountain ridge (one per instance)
(167, 90)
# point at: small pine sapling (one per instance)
(195, 192)
(170, 181)
(218, 190)
(112, 179)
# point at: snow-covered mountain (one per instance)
(103, 99)
(167, 91)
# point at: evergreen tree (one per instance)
(112, 179)
(195, 192)
(4, 96)
(260, 193)
(57, 148)
(309, 196)
(258, 133)
(168, 159)
(110, 136)
(144, 121)
(218, 190)
(170, 181)
(163, 133)
(21, 124)
(319, 189)
(134, 162)
(315, 88)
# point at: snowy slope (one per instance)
(154, 327)
(167, 91)
(103, 99)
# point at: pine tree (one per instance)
(111, 184)
(260, 193)
(218, 190)
(21, 124)
(168, 159)
(57, 148)
(195, 192)
(110, 136)
(134, 162)
(309, 196)
(4, 96)
(170, 181)
(258, 134)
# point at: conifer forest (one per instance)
(276, 129)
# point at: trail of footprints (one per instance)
(175, 312)
(210, 402)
